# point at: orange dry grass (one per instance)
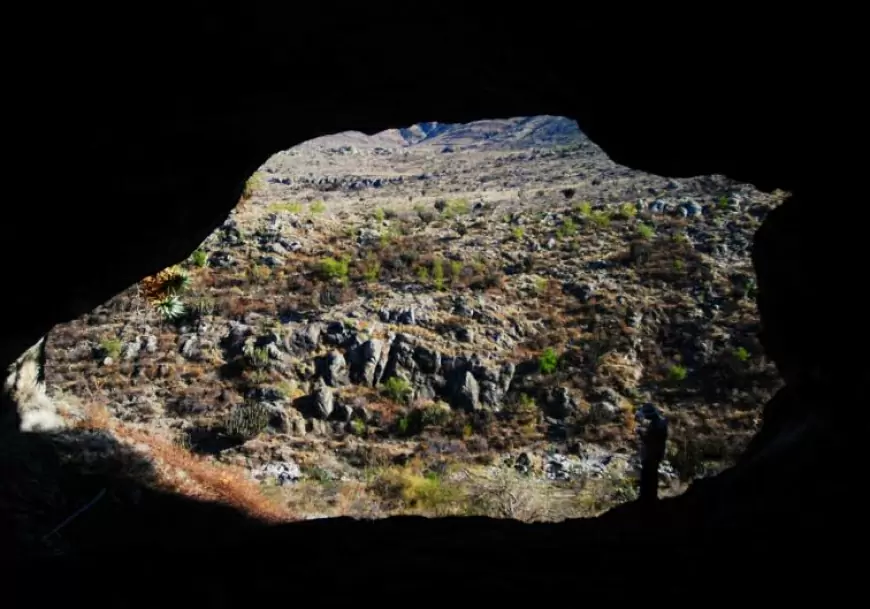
(182, 472)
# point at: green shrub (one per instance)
(386, 238)
(287, 389)
(254, 184)
(742, 354)
(568, 229)
(110, 347)
(202, 306)
(199, 258)
(318, 207)
(549, 361)
(426, 494)
(372, 271)
(330, 268)
(600, 219)
(645, 231)
(518, 233)
(455, 270)
(435, 415)
(438, 274)
(257, 357)
(456, 207)
(423, 274)
(584, 208)
(525, 405)
(358, 427)
(627, 211)
(287, 206)
(247, 421)
(678, 373)
(398, 389)
(380, 215)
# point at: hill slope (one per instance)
(518, 132)
(386, 327)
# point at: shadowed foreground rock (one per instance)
(155, 155)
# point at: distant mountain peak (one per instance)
(516, 132)
(423, 131)
(512, 132)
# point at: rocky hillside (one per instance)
(517, 133)
(441, 319)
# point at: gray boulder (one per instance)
(324, 401)
(604, 404)
(559, 403)
(305, 338)
(336, 370)
(365, 360)
(466, 395)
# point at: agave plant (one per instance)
(176, 280)
(169, 307)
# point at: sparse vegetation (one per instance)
(600, 219)
(645, 231)
(455, 271)
(548, 361)
(291, 207)
(110, 347)
(255, 184)
(454, 208)
(677, 373)
(568, 229)
(552, 315)
(372, 271)
(335, 269)
(199, 259)
(627, 211)
(259, 274)
(248, 421)
(584, 208)
(202, 306)
(398, 389)
(438, 274)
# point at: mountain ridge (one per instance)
(515, 132)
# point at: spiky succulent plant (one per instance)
(169, 307)
(176, 281)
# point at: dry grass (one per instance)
(460, 491)
(182, 472)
